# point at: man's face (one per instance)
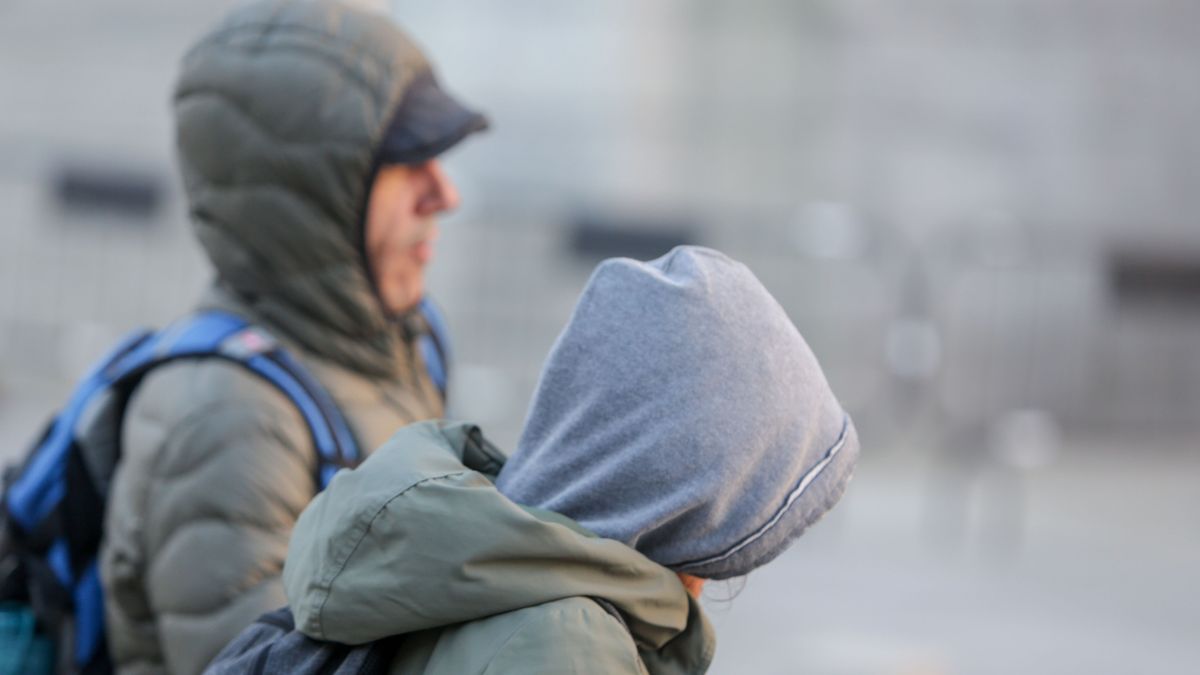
(401, 228)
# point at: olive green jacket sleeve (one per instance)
(417, 542)
(217, 466)
(571, 637)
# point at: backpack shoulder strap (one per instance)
(435, 345)
(223, 335)
(38, 489)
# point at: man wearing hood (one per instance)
(681, 430)
(308, 136)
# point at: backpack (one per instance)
(273, 645)
(52, 513)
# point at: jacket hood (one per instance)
(280, 111)
(418, 537)
(682, 413)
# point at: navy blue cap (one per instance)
(427, 122)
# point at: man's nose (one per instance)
(441, 195)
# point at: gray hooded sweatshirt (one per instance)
(682, 413)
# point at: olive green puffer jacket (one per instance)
(418, 542)
(277, 130)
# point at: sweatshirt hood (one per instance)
(418, 537)
(682, 413)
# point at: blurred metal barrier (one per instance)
(1016, 313)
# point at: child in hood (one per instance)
(681, 431)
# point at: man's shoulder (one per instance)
(209, 417)
(174, 391)
(187, 410)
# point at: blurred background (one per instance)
(980, 213)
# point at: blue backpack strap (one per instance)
(335, 444)
(230, 337)
(435, 345)
(89, 614)
(38, 492)
(39, 488)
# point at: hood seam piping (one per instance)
(806, 480)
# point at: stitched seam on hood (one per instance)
(327, 586)
(238, 107)
(331, 50)
(230, 227)
(280, 279)
(267, 27)
(806, 480)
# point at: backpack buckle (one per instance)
(248, 342)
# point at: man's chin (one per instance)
(399, 307)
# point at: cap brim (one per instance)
(427, 123)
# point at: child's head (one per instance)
(682, 413)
